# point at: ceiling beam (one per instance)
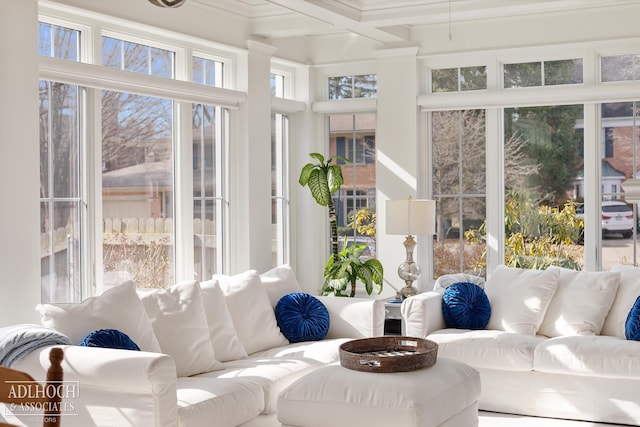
(338, 16)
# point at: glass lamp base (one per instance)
(406, 292)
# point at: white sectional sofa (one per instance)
(212, 353)
(554, 345)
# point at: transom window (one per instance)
(543, 73)
(360, 86)
(207, 72)
(458, 79)
(58, 42)
(138, 58)
(620, 68)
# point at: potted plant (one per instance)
(344, 266)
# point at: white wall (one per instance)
(19, 154)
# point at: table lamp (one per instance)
(410, 217)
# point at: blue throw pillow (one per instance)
(465, 306)
(109, 338)
(632, 325)
(302, 317)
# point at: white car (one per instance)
(617, 217)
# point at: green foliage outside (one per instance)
(537, 236)
(553, 145)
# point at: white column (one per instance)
(397, 156)
(250, 166)
(310, 221)
(19, 163)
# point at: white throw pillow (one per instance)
(628, 291)
(251, 311)
(581, 302)
(116, 308)
(180, 324)
(226, 344)
(446, 280)
(519, 298)
(278, 282)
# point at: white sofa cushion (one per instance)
(116, 308)
(519, 298)
(489, 349)
(581, 302)
(180, 324)
(226, 344)
(600, 356)
(251, 311)
(628, 291)
(278, 282)
(354, 317)
(203, 402)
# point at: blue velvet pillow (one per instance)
(109, 338)
(465, 306)
(302, 317)
(632, 325)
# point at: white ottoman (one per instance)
(445, 394)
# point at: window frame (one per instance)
(590, 93)
(91, 77)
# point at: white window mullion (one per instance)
(93, 189)
(495, 180)
(593, 187)
(183, 200)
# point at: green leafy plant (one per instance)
(344, 266)
(324, 179)
(349, 268)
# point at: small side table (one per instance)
(393, 324)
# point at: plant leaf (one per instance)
(319, 157)
(334, 178)
(319, 186)
(305, 173)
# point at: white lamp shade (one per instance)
(411, 217)
(631, 189)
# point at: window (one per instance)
(458, 186)
(352, 136)
(207, 72)
(62, 212)
(620, 68)
(542, 164)
(61, 203)
(209, 123)
(543, 73)
(279, 189)
(360, 150)
(277, 85)
(137, 58)
(108, 209)
(622, 128)
(58, 42)
(345, 87)
(138, 189)
(458, 79)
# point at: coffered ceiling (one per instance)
(386, 21)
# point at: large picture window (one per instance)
(109, 172)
